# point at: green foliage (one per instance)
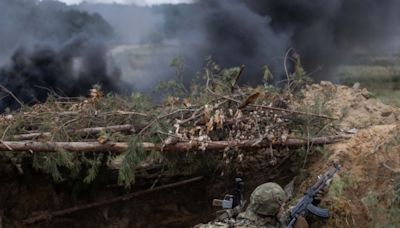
(171, 87)
(62, 164)
(176, 86)
(141, 102)
(228, 76)
(51, 163)
(78, 21)
(394, 207)
(93, 169)
(371, 201)
(134, 155)
(381, 81)
(179, 66)
(267, 76)
(384, 208)
(150, 120)
(341, 184)
(35, 17)
(222, 79)
(299, 78)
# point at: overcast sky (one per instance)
(139, 2)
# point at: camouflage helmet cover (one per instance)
(266, 199)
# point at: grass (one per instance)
(383, 81)
(388, 96)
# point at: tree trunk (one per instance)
(85, 131)
(120, 147)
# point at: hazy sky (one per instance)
(139, 2)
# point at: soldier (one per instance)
(265, 210)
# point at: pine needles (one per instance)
(214, 111)
(133, 156)
(52, 163)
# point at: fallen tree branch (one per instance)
(127, 197)
(83, 131)
(267, 107)
(293, 111)
(75, 113)
(222, 145)
(286, 68)
(161, 117)
(200, 112)
(120, 147)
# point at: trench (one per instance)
(33, 194)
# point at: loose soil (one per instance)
(362, 195)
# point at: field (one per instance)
(381, 79)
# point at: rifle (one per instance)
(231, 204)
(305, 206)
(231, 201)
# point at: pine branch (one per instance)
(134, 155)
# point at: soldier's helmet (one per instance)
(266, 199)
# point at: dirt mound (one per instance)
(354, 107)
(366, 193)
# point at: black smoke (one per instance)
(324, 33)
(329, 33)
(39, 34)
(69, 70)
(228, 31)
(53, 49)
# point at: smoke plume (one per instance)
(69, 70)
(53, 49)
(329, 33)
(67, 49)
(256, 33)
(324, 33)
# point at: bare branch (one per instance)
(11, 94)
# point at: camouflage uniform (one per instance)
(265, 204)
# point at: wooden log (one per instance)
(84, 131)
(120, 147)
(72, 113)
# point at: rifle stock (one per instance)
(217, 203)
